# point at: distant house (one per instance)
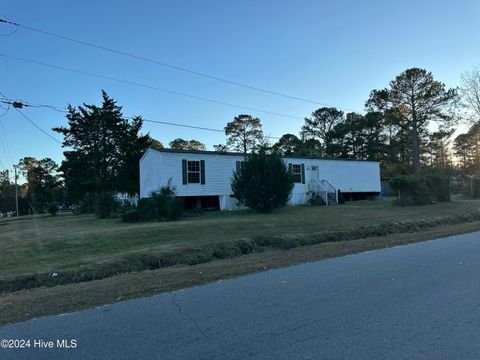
(203, 178)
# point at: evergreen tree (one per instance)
(244, 133)
(105, 150)
(416, 99)
(320, 127)
(43, 181)
(262, 182)
(181, 144)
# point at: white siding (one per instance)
(344, 175)
(157, 168)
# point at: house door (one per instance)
(311, 174)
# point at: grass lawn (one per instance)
(54, 244)
(27, 304)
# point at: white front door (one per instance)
(311, 173)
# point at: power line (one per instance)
(151, 87)
(8, 22)
(170, 66)
(190, 126)
(38, 127)
(180, 125)
(6, 110)
(143, 119)
(21, 104)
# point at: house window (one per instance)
(238, 166)
(297, 173)
(193, 172)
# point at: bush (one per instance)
(262, 182)
(162, 205)
(52, 209)
(420, 189)
(131, 215)
(314, 199)
(166, 206)
(146, 209)
(105, 204)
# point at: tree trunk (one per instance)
(415, 139)
(415, 148)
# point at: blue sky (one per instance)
(332, 52)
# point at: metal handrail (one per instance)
(327, 185)
(331, 189)
(319, 190)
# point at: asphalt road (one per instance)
(419, 301)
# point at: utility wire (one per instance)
(151, 87)
(38, 127)
(180, 125)
(189, 126)
(17, 105)
(132, 117)
(170, 66)
(10, 23)
(21, 104)
(6, 110)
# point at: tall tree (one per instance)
(105, 148)
(470, 92)
(181, 144)
(346, 137)
(43, 181)
(288, 144)
(373, 136)
(359, 137)
(7, 192)
(417, 99)
(438, 148)
(320, 126)
(463, 150)
(310, 147)
(467, 148)
(154, 143)
(244, 133)
(220, 148)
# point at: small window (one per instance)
(297, 173)
(193, 172)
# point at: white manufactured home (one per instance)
(203, 178)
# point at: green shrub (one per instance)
(262, 182)
(165, 205)
(105, 204)
(162, 205)
(146, 209)
(314, 199)
(420, 189)
(131, 215)
(52, 209)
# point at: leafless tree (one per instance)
(470, 92)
